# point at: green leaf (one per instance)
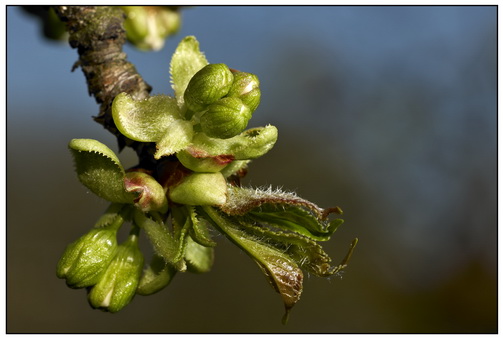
(295, 219)
(165, 244)
(185, 62)
(176, 137)
(156, 276)
(99, 169)
(282, 210)
(235, 168)
(199, 258)
(279, 268)
(250, 144)
(144, 120)
(304, 250)
(199, 231)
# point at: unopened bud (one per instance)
(150, 194)
(118, 284)
(225, 118)
(208, 85)
(200, 189)
(246, 88)
(85, 260)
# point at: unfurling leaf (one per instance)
(282, 210)
(280, 269)
(186, 61)
(99, 169)
(199, 258)
(176, 137)
(249, 144)
(144, 120)
(156, 276)
(165, 244)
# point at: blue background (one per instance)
(388, 112)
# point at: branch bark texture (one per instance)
(98, 35)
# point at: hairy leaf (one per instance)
(177, 136)
(279, 268)
(304, 250)
(156, 276)
(165, 244)
(144, 120)
(185, 62)
(199, 258)
(99, 169)
(281, 210)
(250, 144)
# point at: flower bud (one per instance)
(208, 85)
(200, 189)
(85, 260)
(118, 284)
(246, 88)
(150, 194)
(225, 118)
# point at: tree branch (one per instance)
(98, 35)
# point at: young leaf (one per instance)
(185, 62)
(144, 120)
(165, 244)
(99, 169)
(199, 258)
(250, 144)
(177, 136)
(156, 276)
(296, 219)
(304, 250)
(280, 269)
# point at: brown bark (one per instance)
(98, 35)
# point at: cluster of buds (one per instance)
(202, 144)
(226, 99)
(96, 261)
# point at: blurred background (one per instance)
(388, 112)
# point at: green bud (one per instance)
(225, 118)
(200, 189)
(85, 260)
(150, 194)
(118, 284)
(208, 85)
(246, 88)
